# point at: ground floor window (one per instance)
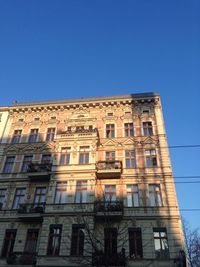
(31, 240)
(9, 241)
(161, 243)
(77, 240)
(135, 243)
(54, 240)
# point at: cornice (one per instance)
(80, 104)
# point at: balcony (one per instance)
(108, 209)
(104, 259)
(77, 133)
(109, 169)
(31, 212)
(21, 258)
(39, 171)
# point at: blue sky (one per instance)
(80, 48)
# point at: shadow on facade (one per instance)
(52, 209)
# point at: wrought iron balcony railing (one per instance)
(39, 167)
(21, 258)
(106, 259)
(31, 208)
(78, 130)
(108, 206)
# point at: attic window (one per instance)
(37, 119)
(145, 111)
(127, 113)
(20, 120)
(79, 128)
(110, 114)
(53, 118)
(80, 116)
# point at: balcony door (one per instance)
(110, 193)
(9, 242)
(40, 196)
(110, 241)
(31, 241)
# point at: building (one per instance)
(88, 180)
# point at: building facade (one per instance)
(88, 182)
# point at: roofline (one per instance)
(89, 99)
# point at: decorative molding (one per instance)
(129, 117)
(149, 140)
(130, 141)
(109, 142)
(52, 121)
(39, 107)
(110, 119)
(19, 124)
(29, 148)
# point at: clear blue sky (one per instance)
(80, 48)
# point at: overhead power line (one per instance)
(189, 209)
(185, 182)
(183, 146)
(187, 177)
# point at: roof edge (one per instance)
(89, 99)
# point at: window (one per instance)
(46, 159)
(50, 134)
(2, 197)
(130, 159)
(128, 129)
(135, 243)
(40, 195)
(110, 130)
(160, 243)
(84, 155)
(110, 241)
(132, 196)
(33, 136)
(146, 111)
(61, 193)
(20, 120)
(155, 195)
(110, 193)
(9, 164)
(110, 155)
(110, 114)
(9, 242)
(26, 163)
(36, 119)
(151, 160)
(77, 240)
(65, 156)
(53, 118)
(16, 136)
(81, 192)
(54, 240)
(19, 197)
(79, 129)
(147, 128)
(31, 240)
